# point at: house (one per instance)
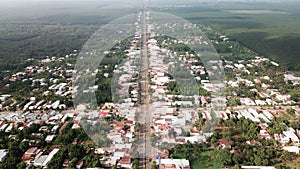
(49, 157)
(282, 97)
(63, 126)
(43, 160)
(221, 114)
(43, 128)
(262, 116)
(53, 130)
(3, 154)
(39, 161)
(103, 114)
(49, 138)
(125, 162)
(108, 162)
(264, 134)
(260, 102)
(32, 151)
(75, 141)
(223, 143)
(268, 114)
(3, 126)
(253, 142)
(79, 164)
(291, 149)
(164, 154)
(206, 115)
(203, 100)
(173, 163)
(9, 128)
(4, 97)
(184, 103)
(239, 66)
(249, 115)
(193, 139)
(66, 162)
(290, 135)
(66, 116)
(247, 101)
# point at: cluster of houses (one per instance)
(119, 153)
(35, 156)
(58, 85)
(292, 78)
(164, 114)
(289, 138)
(169, 123)
(269, 96)
(165, 117)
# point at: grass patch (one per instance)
(207, 159)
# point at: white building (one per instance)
(43, 160)
(291, 149)
(179, 163)
(3, 154)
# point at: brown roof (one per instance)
(31, 150)
(186, 167)
(167, 166)
(125, 160)
(63, 126)
(129, 122)
(80, 162)
(164, 154)
(74, 141)
(66, 161)
(26, 157)
(195, 130)
(224, 142)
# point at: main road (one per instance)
(145, 148)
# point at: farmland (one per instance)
(270, 29)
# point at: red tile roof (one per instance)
(125, 160)
(63, 126)
(26, 157)
(103, 114)
(31, 150)
(224, 143)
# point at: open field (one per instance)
(270, 29)
(36, 30)
(255, 12)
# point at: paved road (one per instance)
(145, 149)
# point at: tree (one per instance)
(21, 165)
(130, 89)
(57, 159)
(154, 166)
(126, 127)
(24, 146)
(76, 151)
(276, 126)
(282, 166)
(187, 134)
(72, 163)
(225, 156)
(290, 111)
(135, 164)
(96, 162)
(137, 127)
(172, 132)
